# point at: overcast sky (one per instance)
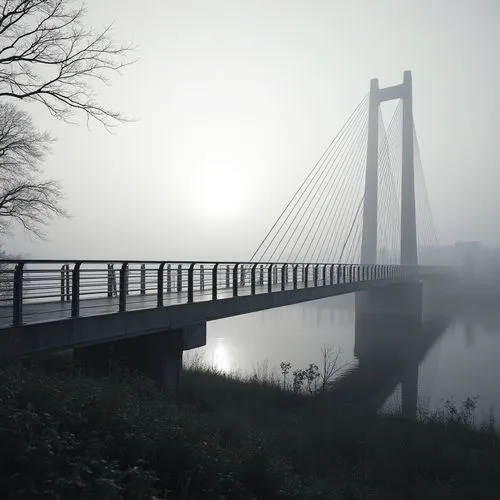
(236, 100)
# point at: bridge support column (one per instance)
(370, 206)
(157, 355)
(386, 318)
(387, 332)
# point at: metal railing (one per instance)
(30, 288)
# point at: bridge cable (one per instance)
(336, 227)
(389, 199)
(309, 178)
(332, 199)
(306, 207)
(428, 219)
(393, 212)
(357, 181)
(360, 205)
(330, 229)
(344, 166)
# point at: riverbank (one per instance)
(69, 436)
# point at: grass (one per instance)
(68, 436)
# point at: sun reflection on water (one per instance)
(221, 358)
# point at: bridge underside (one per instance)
(52, 336)
(152, 341)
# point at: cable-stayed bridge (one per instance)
(360, 221)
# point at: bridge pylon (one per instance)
(408, 256)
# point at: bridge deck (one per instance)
(38, 312)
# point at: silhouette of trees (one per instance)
(49, 55)
(24, 197)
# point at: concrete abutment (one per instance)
(155, 355)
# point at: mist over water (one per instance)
(461, 363)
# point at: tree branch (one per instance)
(49, 56)
(24, 197)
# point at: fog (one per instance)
(234, 103)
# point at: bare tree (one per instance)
(329, 368)
(47, 54)
(24, 197)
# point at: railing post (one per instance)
(214, 281)
(242, 275)
(202, 277)
(252, 279)
(179, 278)
(261, 277)
(324, 275)
(159, 289)
(17, 304)
(350, 273)
(270, 278)
(235, 280)
(338, 273)
(343, 273)
(306, 276)
(63, 288)
(283, 277)
(295, 270)
(68, 293)
(75, 291)
(228, 273)
(332, 270)
(169, 278)
(122, 300)
(315, 275)
(65, 283)
(110, 280)
(191, 282)
(143, 279)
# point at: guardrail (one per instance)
(25, 283)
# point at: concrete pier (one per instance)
(388, 334)
(157, 355)
(386, 320)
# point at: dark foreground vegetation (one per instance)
(65, 436)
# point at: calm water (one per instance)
(463, 362)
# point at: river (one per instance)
(462, 363)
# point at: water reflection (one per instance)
(456, 355)
(221, 359)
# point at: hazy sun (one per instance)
(218, 192)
